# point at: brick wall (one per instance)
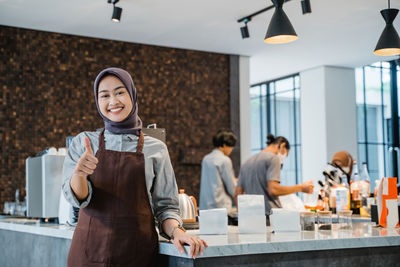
(46, 94)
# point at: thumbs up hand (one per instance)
(87, 162)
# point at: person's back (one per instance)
(255, 174)
(214, 191)
(217, 185)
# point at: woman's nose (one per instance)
(113, 99)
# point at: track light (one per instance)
(117, 11)
(244, 30)
(280, 30)
(116, 16)
(389, 42)
(306, 6)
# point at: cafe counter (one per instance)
(26, 242)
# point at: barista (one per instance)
(343, 161)
(217, 186)
(121, 180)
(260, 174)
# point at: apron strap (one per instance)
(101, 140)
(139, 147)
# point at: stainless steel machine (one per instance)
(43, 185)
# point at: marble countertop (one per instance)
(363, 234)
(33, 226)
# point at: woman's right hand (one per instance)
(87, 162)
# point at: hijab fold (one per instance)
(132, 124)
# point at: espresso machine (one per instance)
(43, 185)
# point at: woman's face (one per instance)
(113, 98)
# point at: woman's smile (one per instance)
(115, 110)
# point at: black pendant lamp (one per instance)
(389, 42)
(280, 30)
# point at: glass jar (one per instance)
(345, 221)
(307, 221)
(324, 220)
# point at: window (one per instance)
(376, 129)
(275, 109)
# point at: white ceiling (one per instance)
(337, 32)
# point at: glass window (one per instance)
(275, 109)
(374, 119)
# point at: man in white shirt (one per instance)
(217, 186)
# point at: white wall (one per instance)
(341, 112)
(313, 124)
(244, 93)
(328, 117)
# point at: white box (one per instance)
(282, 220)
(213, 222)
(251, 214)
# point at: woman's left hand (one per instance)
(196, 244)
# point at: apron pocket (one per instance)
(121, 241)
(97, 248)
(133, 241)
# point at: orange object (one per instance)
(392, 194)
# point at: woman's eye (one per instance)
(104, 96)
(120, 93)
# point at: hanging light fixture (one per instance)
(117, 11)
(306, 6)
(244, 30)
(280, 30)
(116, 16)
(389, 42)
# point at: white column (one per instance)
(328, 117)
(244, 93)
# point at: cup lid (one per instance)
(345, 212)
(322, 212)
(307, 213)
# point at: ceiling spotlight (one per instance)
(306, 6)
(117, 11)
(389, 42)
(116, 16)
(280, 30)
(244, 30)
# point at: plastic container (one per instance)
(307, 221)
(324, 220)
(345, 222)
(342, 198)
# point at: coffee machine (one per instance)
(43, 185)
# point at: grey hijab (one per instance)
(132, 124)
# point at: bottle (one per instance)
(355, 196)
(342, 196)
(364, 180)
(364, 190)
(17, 196)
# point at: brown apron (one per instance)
(117, 227)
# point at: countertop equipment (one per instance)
(188, 210)
(43, 185)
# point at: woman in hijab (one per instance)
(120, 180)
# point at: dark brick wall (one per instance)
(46, 94)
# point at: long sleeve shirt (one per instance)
(160, 178)
(217, 186)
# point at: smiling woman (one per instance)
(121, 180)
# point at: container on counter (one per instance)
(342, 198)
(345, 222)
(307, 221)
(324, 220)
